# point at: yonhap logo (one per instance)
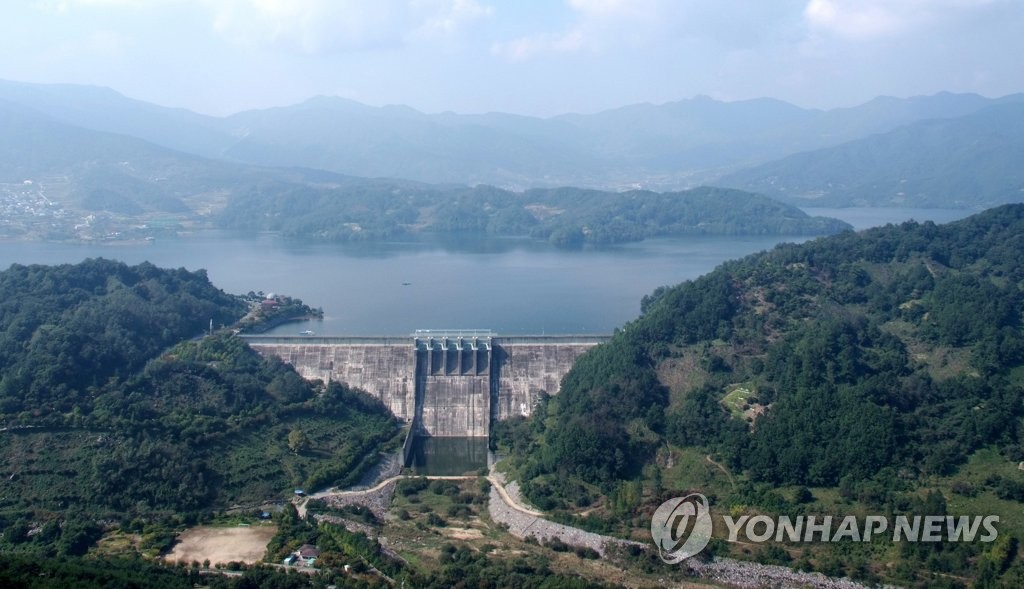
(681, 527)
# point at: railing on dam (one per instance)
(399, 340)
(328, 340)
(511, 340)
(409, 339)
(453, 333)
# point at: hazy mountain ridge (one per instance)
(664, 147)
(972, 161)
(65, 182)
(670, 146)
(103, 109)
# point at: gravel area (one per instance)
(522, 525)
(749, 575)
(376, 500)
(513, 491)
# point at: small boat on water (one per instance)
(307, 332)
(406, 284)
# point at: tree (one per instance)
(297, 441)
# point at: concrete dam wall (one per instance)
(448, 384)
(453, 385)
(383, 366)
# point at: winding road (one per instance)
(495, 483)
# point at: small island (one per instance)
(267, 311)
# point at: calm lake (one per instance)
(512, 286)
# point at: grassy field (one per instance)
(736, 399)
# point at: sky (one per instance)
(531, 57)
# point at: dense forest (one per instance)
(567, 217)
(110, 411)
(870, 367)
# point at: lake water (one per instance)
(512, 286)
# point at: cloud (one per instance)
(525, 48)
(309, 26)
(598, 25)
(448, 17)
(317, 26)
(868, 19)
(66, 7)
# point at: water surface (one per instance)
(512, 286)
(448, 456)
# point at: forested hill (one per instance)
(71, 327)
(568, 217)
(870, 366)
(111, 408)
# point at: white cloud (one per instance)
(525, 48)
(449, 16)
(599, 24)
(65, 7)
(315, 26)
(310, 26)
(866, 19)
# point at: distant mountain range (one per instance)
(661, 147)
(61, 181)
(973, 161)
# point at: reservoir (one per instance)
(512, 286)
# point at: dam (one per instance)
(446, 383)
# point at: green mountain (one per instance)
(111, 411)
(569, 217)
(965, 162)
(872, 372)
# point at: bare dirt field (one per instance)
(463, 533)
(240, 544)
